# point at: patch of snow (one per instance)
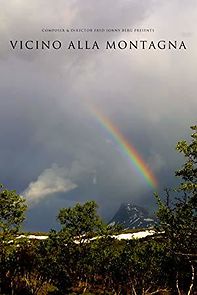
(134, 221)
(112, 223)
(127, 236)
(138, 235)
(33, 237)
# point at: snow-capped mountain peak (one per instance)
(132, 216)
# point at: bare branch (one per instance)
(192, 279)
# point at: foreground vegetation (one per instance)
(69, 263)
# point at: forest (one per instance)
(83, 257)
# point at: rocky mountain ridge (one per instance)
(132, 216)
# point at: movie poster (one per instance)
(94, 97)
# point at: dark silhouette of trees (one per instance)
(178, 219)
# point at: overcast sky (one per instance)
(52, 149)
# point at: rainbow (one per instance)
(126, 148)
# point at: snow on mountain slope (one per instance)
(132, 216)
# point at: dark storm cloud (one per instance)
(45, 118)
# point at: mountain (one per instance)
(132, 216)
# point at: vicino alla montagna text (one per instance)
(95, 45)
